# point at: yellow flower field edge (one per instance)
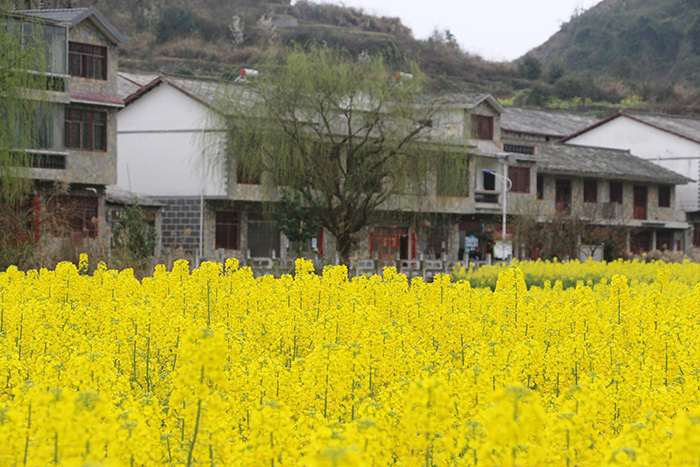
(570, 273)
(216, 367)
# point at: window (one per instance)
(590, 191)
(520, 176)
(482, 127)
(85, 129)
(263, 238)
(519, 148)
(616, 192)
(540, 186)
(87, 61)
(562, 196)
(664, 196)
(489, 181)
(79, 211)
(227, 230)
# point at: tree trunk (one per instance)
(344, 247)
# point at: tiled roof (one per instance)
(545, 122)
(602, 162)
(686, 127)
(129, 83)
(92, 97)
(466, 101)
(73, 16)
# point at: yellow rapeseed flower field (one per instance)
(216, 367)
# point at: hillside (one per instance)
(643, 53)
(649, 40)
(200, 36)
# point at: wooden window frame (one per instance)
(590, 190)
(83, 59)
(227, 230)
(520, 177)
(482, 127)
(616, 192)
(81, 126)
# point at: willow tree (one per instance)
(24, 107)
(27, 125)
(345, 134)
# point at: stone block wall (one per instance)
(180, 221)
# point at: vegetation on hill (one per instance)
(644, 52)
(649, 48)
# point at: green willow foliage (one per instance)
(346, 134)
(24, 109)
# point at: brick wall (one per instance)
(180, 222)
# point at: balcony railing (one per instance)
(486, 196)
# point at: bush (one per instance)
(530, 68)
(175, 21)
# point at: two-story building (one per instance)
(81, 153)
(614, 189)
(669, 141)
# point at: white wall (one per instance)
(162, 149)
(662, 148)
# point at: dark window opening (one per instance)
(85, 129)
(590, 191)
(664, 196)
(263, 238)
(563, 196)
(227, 230)
(482, 127)
(520, 176)
(616, 192)
(540, 186)
(489, 181)
(87, 61)
(664, 240)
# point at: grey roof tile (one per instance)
(686, 127)
(545, 122)
(602, 162)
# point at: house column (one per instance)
(653, 240)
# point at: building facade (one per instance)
(173, 149)
(79, 158)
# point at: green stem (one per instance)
(196, 430)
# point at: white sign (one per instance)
(503, 250)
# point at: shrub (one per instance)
(175, 21)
